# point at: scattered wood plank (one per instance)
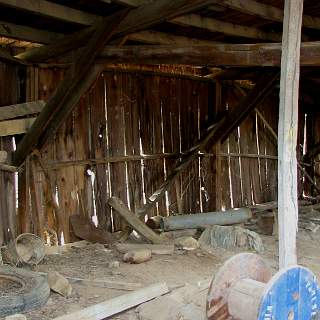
(155, 248)
(134, 221)
(21, 109)
(288, 129)
(101, 283)
(86, 230)
(17, 126)
(110, 307)
(76, 81)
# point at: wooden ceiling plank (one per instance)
(138, 19)
(69, 91)
(154, 37)
(252, 55)
(266, 11)
(228, 28)
(250, 7)
(52, 10)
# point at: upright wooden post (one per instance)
(288, 129)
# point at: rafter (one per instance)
(138, 19)
(25, 33)
(52, 10)
(232, 29)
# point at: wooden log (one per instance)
(134, 221)
(69, 91)
(159, 249)
(108, 308)
(287, 136)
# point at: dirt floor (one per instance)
(187, 272)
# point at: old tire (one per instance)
(33, 291)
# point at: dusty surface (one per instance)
(189, 270)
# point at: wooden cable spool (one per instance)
(244, 289)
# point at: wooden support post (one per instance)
(288, 130)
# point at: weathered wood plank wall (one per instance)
(9, 94)
(123, 139)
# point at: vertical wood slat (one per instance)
(116, 131)
(99, 150)
(8, 95)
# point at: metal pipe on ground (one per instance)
(202, 220)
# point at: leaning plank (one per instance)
(111, 307)
(21, 109)
(288, 131)
(70, 90)
(13, 127)
(134, 221)
(155, 248)
(138, 19)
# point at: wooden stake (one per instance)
(288, 130)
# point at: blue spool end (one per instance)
(292, 294)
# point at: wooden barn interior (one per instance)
(116, 114)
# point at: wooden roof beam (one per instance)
(138, 19)
(249, 55)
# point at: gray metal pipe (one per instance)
(202, 220)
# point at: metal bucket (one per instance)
(27, 248)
